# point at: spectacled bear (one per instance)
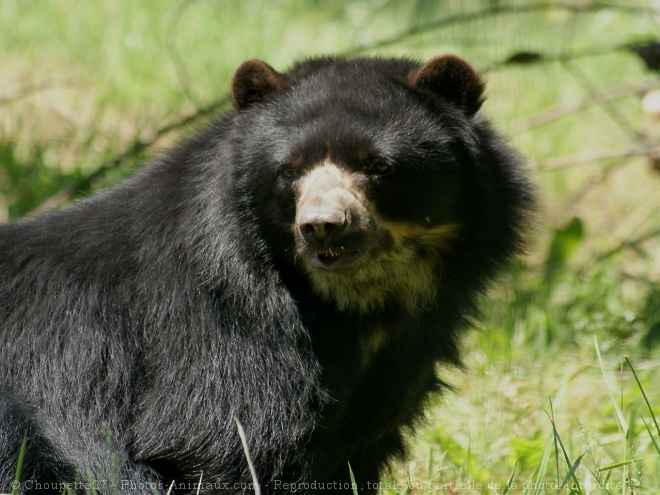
(299, 267)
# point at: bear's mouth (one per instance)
(333, 260)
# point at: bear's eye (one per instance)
(288, 172)
(381, 167)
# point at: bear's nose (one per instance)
(318, 227)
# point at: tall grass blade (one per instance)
(619, 414)
(199, 485)
(655, 444)
(628, 462)
(253, 472)
(571, 473)
(567, 459)
(545, 460)
(353, 483)
(431, 464)
(510, 482)
(554, 429)
(646, 399)
(90, 479)
(603, 484)
(19, 465)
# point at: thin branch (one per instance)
(30, 89)
(133, 150)
(594, 180)
(497, 9)
(606, 96)
(528, 58)
(591, 89)
(562, 162)
(627, 242)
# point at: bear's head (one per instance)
(356, 171)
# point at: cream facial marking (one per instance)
(329, 213)
(353, 256)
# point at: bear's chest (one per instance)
(376, 385)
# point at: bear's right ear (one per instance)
(253, 82)
(452, 79)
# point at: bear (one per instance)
(294, 272)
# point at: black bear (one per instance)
(299, 268)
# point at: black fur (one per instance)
(138, 325)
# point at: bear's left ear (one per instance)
(452, 79)
(253, 82)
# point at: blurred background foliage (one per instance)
(89, 91)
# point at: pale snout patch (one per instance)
(370, 262)
(327, 188)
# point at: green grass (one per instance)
(540, 405)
